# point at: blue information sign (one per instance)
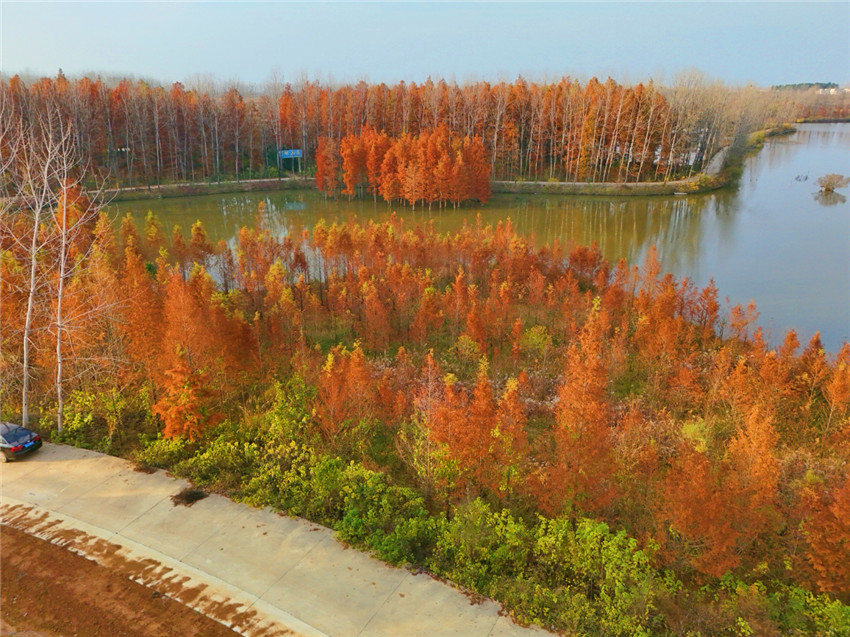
(290, 153)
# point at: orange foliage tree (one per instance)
(345, 397)
(185, 403)
(582, 465)
(326, 166)
(827, 533)
(434, 167)
(696, 520)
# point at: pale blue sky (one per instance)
(763, 43)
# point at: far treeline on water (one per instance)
(566, 131)
(595, 445)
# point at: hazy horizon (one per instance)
(249, 43)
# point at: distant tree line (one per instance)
(804, 86)
(139, 133)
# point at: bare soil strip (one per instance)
(47, 591)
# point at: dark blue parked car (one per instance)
(15, 441)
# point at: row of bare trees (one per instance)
(564, 130)
(48, 223)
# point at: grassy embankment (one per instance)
(823, 120)
(167, 191)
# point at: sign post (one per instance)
(291, 153)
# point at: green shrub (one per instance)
(828, 616)
(801, 612)
(605, 573)
(536, 341)
(282, 477)
(289, 418)
(162, 453)
(565, 575)
(364, 509)
(323, 501)
(479, 546)
(82, 425)
(388, 519)
(225, 463)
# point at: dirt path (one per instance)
(48, 591)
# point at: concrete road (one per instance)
(255, 571)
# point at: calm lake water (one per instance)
(770, 239)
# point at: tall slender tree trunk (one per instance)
(25, 381)
(60, 326)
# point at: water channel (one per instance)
(770, 238)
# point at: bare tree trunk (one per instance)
(43, 167)
(60, 326)
(499, 105)
(645, 147)
(5, 162)
(216, 144)
(69, 231)
(44, 155)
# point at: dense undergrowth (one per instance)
(601, 449)
(568, 573)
